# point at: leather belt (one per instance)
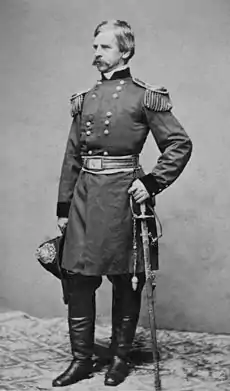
(100, 163)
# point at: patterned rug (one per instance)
(34, 351)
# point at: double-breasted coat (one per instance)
(113, 119)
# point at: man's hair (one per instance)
(123, 33)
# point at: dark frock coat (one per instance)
(113, 119)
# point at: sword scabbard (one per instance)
(150, 294)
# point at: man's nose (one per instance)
(98, 52)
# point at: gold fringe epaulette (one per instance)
(155, 98)
(76, 101)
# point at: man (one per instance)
(100, 173)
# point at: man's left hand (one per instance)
(138, 191)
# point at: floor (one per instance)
(33, 351)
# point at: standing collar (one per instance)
(120, 74)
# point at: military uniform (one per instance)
(112, 121)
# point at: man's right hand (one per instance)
(62, 223)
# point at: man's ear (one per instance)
(125, 55)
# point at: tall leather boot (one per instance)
(131, 303)
(116, 317)
(82, 338)
(81, 321)
(119, 367)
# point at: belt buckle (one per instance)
(95, 164)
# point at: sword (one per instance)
(150, 285)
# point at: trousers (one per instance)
(81, 291)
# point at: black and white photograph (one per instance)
(115, 197)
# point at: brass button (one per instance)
(88, 123)
(115, 95)
(122, 82)
(94, 96)
(88, 133)
(90, 152)
(106, 131)
(105, 153)
(108, 114)
(106, 122)
(118, 88)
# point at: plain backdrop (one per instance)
(45, 56)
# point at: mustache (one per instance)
(99, 61)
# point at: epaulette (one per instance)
(76, 102)
(155, 98)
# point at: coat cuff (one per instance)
(63, 209)
(150, 184)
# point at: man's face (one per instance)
(107, 55)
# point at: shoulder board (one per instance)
(156, 98)
(76, 102)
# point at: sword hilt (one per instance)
(142, 215)
(143, 208)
